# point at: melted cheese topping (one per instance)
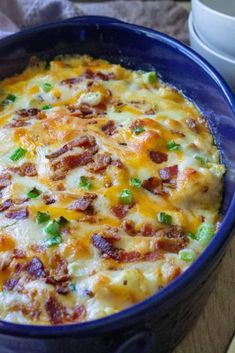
(115, 249)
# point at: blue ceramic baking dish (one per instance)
(161, 321)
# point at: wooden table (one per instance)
(215, 327)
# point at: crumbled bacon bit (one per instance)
(17, 213)
(5, 180)
(83, 203)
(89, 75)
(109, 128)
(150, 111)
(18, 254)
(120, 211)
(169, 245)
(108, 250)
(118, 163)
(131, 256)
(5, 205)
(89, 293)
(100, 163)
(28, 112)
(178, 133)
(192, 124)
(59, 314)
(129, 227)
(55, 311)
(171, 239)
(105, 247)
(169, 173)
(70, 162)
(137, 123)
(10, 284)
(104, 76)
(71, 81)
(24, 115)
(82, 141)
(147, 230)
(26, 169)
(35, 268)
(157, 156)
(48, 199)
(153, 185)
(77, 315)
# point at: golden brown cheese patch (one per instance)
(110, 187)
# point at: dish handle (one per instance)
(139, 343)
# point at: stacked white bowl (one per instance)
(212, 34)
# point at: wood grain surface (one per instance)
(215, 327)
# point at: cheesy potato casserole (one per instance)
(110, 187)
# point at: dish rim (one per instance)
(227, 58)
(214, 11)
(132, 313)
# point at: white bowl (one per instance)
(214, 21)
(223, 63)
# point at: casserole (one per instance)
(155, 321)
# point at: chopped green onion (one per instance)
(47, 106)
(62, 221)
(192, 235)
(164, 218)
(17, 154)
(72, 287)
(52, 231)
(47, 87)
(150, 77)
(52, 228)
(10, 98)
(201, 160)
(126, 197)
(187, 255)
(51, 241)
(85, 182)
(172, 146)
(34, 193)
(42, 217)
(135, 182)
(137, 130)
(205, 232)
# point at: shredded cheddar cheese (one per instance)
(110, 187)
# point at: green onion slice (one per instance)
(85, 182)
(150, 77)
(46, 87)
(187, 255)
(17, 154)
(205, 232)
(42, 217)
(10, 98)
(52, 230)
(34, 193)
(126, 197)
(202, 160)
(138, 130)
(164, 218)
(72, 286)
(172, 146)
(47, 106)
(135, 182)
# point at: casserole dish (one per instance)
(158, 323)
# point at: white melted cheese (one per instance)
(102, 285)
